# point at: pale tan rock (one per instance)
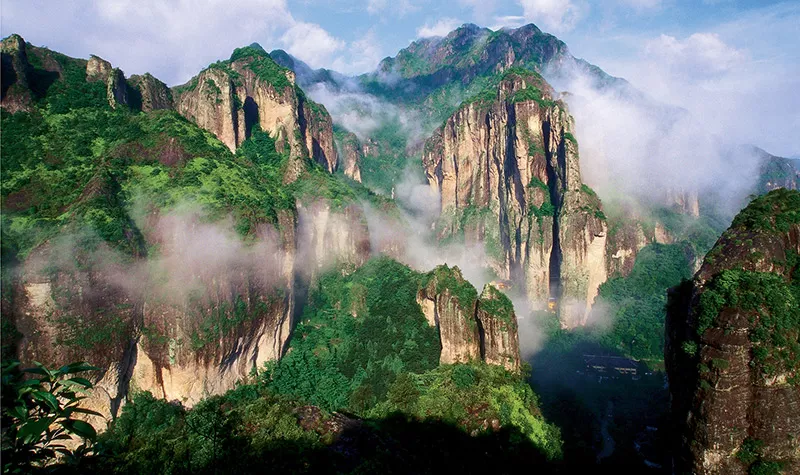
(495, 163)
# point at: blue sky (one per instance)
(745, 54)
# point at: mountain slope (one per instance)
(506, 168)
(733, 347)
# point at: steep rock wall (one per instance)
(732, 347)
(229, 98)
(16, 92)
(506, 168)
(151, 94)
(350, 154)
(498, 329)
(470, 328)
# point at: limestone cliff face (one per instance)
(183, 331)
(684, 201)
(732, 347)
(229, 98)
(350, 154)
(626, 237)
(16, 93)
(152, 94)
(453, 301)
(498, 328)
(506, 168)
(331, 237)
(98, 69)
(181, 325)
(470, 328)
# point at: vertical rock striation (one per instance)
(229, 98)
(150, 93)
(471, 328)
(506, 168)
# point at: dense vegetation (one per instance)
(637, 303)
(365, 346)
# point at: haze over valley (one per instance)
(384, 237)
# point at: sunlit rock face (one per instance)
(229, 100)
(471, 327)
(507, 170)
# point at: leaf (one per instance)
(80, 428)
(29, 383)
(80, 367)
(32, 431)
(77, 381)
(41, 371)
(20, 412)
(86, 411)
(47, 398)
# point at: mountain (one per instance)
(506, 168)
(171, 236)
(733, 347)
(306, 75)
(775, 172)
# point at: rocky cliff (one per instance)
(176, 266)
(350, 153)
(16, 90)
(733, 347)
(506, 168)
(470, 328)
(149, 93)
(230, 97)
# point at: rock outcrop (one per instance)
(229, 98)
(684, 201)
(498, 329)
(331, 237)
(182, 326)
(449, 302)
(470, 328)
(150, 93)
(733, 347)
(16, 92)
(506, 168)
(350, 154)
(98, 69)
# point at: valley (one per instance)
(405, 270)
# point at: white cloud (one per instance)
(482, 10)
(362, 55)
(699, 56)
(554, 15)
(311, 43)
(440, 28)
(173, 40)
(376, 6)
(398, 7)
(508, 21)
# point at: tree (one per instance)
(38, 415)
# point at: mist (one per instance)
(634, 147)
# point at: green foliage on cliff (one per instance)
(497, 304)
(460, 288)
(263, 65)
(250, 428)
(358, 333)
(773, 305)
(637, 302)
(468, 395)
(774, 212)
(387, 158)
